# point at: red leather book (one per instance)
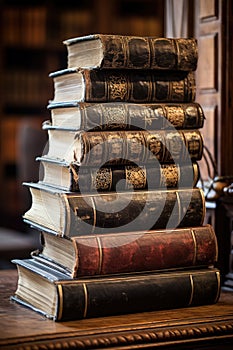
(130, 252)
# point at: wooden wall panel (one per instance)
(208, 56)
(213, 30)
(208, 9)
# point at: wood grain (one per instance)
(209, 327)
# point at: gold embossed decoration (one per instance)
(101, 179)
(175, 116)
(116, 113)
(136, 177)
(118, 87)
(169, 175)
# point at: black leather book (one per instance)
(126, 116)
(114, 85)
(72, 214)
(74, 178)
(53, 294)
(132, 52)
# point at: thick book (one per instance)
(99, 148)
(132, 52)
(75, 178)
(130, 252)
(60, 298)
(127, 116)
(73, 214)
(112, 85)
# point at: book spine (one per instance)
(130, 295)
(140, 210)
(113, 116)
(149, 53)
(144, 251)
(86, 179)
(138, 86)
(139, 147)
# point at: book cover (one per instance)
(130, 252)
(58, 297)
(72, 214)
(75, 178)
(114, 85)
(126, 116)
(98, 148)
(132, 52)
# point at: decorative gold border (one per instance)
(60, 301)
(85, 300)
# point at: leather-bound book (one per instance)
(125, 116)
(61, 298)
(75, 178)
(132, 52)
(114, 85)
(72, 214)
(98, 148)
(130, 252)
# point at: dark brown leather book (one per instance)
(74, 178)
(61, 298)
(130, 252)
(132, 52)
(114, 85)
(99, 148)
(126, 116)
(73, 214)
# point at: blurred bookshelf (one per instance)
(31, 48)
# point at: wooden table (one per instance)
(206, 327)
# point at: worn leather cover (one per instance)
(126, 293)
(134, 251)
(139, 86)
(141, 146)
(133, 52)
(130, 116)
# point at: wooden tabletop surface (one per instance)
(186, 328)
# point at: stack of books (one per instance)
(117, 207)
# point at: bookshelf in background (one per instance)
(31, 48)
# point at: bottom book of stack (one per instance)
(62, 298)
(110, 274)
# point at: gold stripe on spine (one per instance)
(195, 173)
(204, 206)
(192, 290)
(216, 241)
(94, 214)
(125, 49)
(66, 217)
(218, 276)
(151, 61)
(164, 109)
(179, 206)
(85, 300)
(177, 52)
(195, 246)
(100, 255)
(151, 85)
(60, 302)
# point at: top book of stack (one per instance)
(132, 52)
